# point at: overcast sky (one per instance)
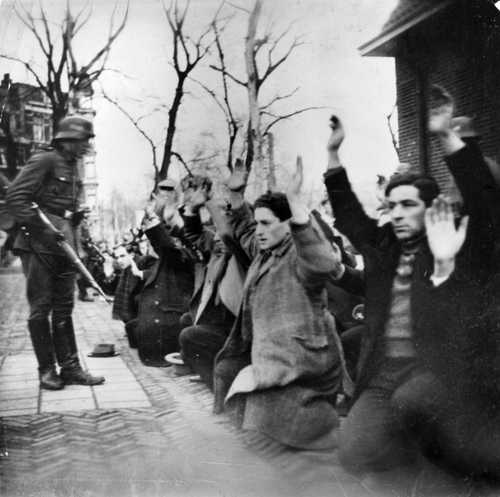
(327, 68)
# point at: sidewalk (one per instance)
(144, 433)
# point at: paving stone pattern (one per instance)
(145, 432)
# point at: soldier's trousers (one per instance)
(50, 286)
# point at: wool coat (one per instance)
(281, 356)
(167, 289)
(381, 251)
(221, 277)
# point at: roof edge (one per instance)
(369, 48)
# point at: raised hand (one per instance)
(441, 111)
(197, 192)
(300, 212)
(295, 185)
(238, 179)
(154, 206)
(135, 270)
(444, 238)
(337, 135)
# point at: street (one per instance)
(145, 432)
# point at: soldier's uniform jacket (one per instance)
(52, 181)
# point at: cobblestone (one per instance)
(144, 433)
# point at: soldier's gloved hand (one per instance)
(80, 215)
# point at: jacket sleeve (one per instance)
(481, 201)
(23, 190)
(473, 178)
(198, 236)
(352, 281)
(164, 244)
(243, 228)
(315, 256)
(350, 218)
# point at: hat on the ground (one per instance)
(180, 367)
(103, 350)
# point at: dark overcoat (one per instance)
(381, 251)
(167, 290)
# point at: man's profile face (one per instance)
(122, 257)
(407, 211)
(270, 231)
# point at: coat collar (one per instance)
(260, 268)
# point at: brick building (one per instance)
(454, 43)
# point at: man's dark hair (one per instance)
(275, 202)
(427, 186)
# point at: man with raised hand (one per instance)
(281, 361)
(399, 315)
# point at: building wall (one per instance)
(458, 49)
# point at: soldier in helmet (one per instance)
(50, 179)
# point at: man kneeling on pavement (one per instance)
(428, 371)
(281, 363)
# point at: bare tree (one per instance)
(261, 61)
(65, 75)
(391, 130)
(187, 53)
(136, 122)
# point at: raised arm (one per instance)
(479, 191)
(317, 257)
(240, 219)
(155, 227)
(465, 160)
(196, 195)
(351, 219)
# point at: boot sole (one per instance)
(70, 382)
(48, 387)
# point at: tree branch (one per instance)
(104, 51)
(182, 161)
(272, 66)
(228, 74)
(277, 98)
(238, 7)
(279, 118)
(29, 68)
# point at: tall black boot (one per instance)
(67, 355)
(44, 350)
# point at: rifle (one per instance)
(71, 254)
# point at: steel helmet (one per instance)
(74, 128)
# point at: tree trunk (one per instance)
(271, 167)
(59, 111)
(252, 86)
(172, 118)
